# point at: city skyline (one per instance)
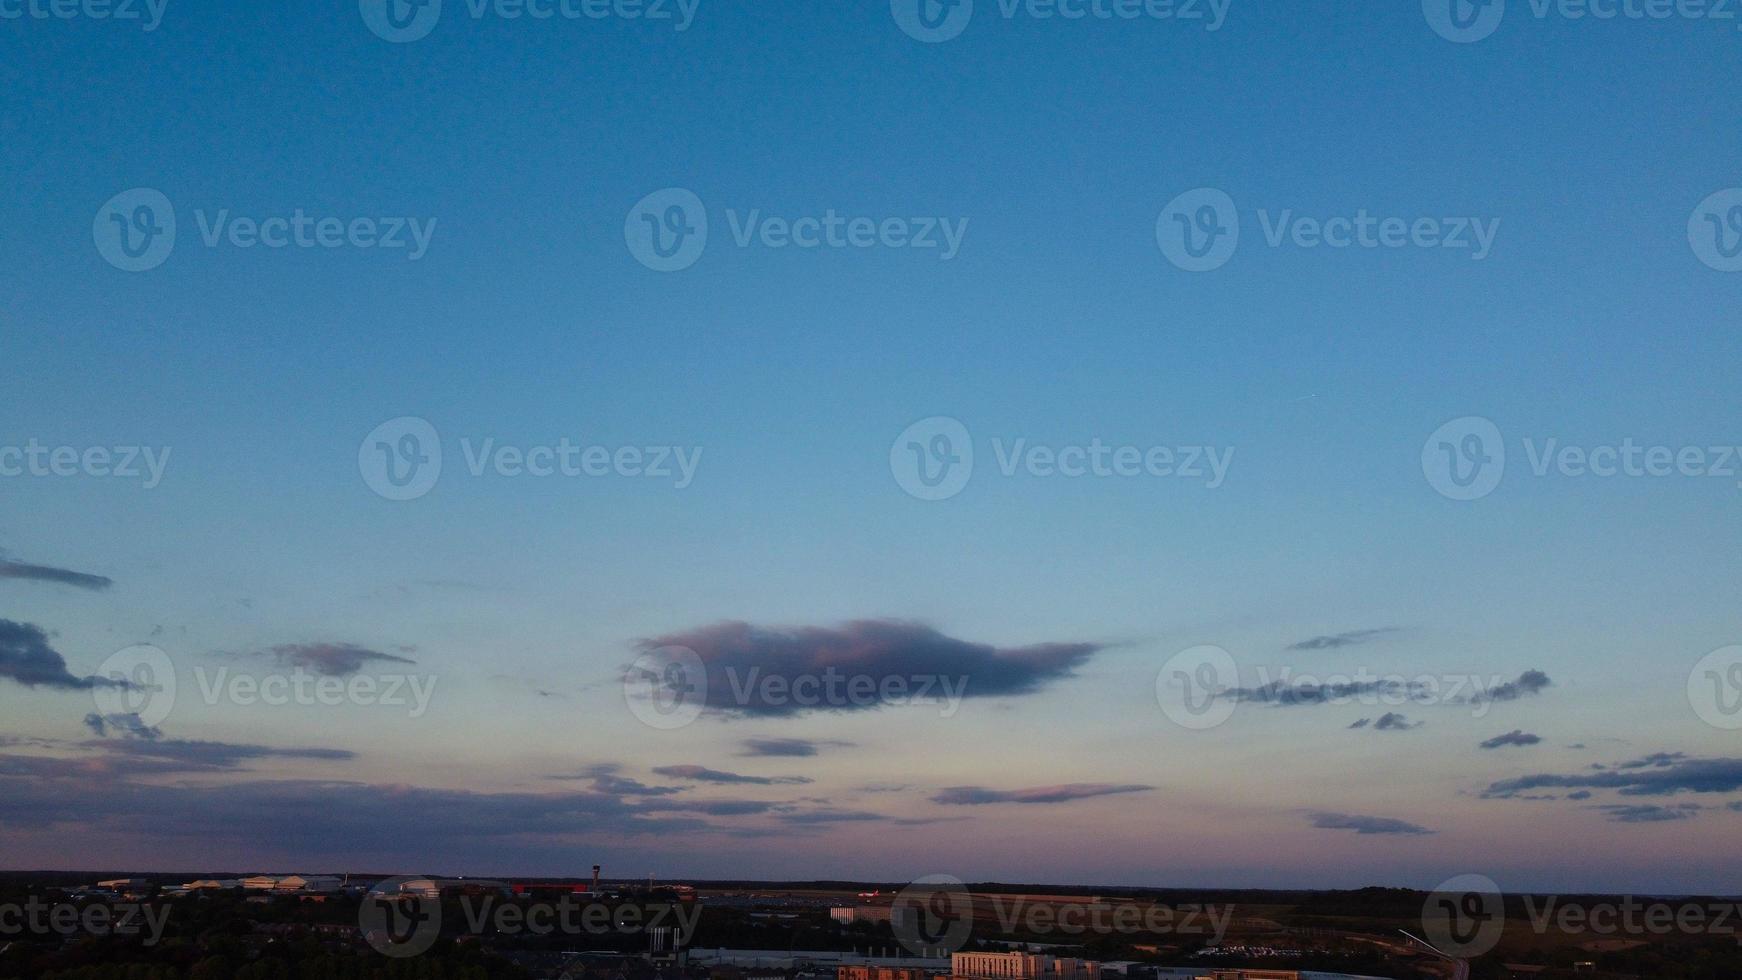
(1279, 448)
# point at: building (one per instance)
(882, 973)
(1021, 966)
(308, 885)
(853, 914)
(1251, 975)
(260, 883)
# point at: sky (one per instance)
(1283, 435)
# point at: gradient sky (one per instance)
(1059, 322)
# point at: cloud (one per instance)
(1516, 737)
(1338, 640)
(1379, 689)
(26, 657)
(1648, 812)
(1391, 721)
(1365, 825)
(1662, 779)
(980, 795)
(702, 774)
(197, 755)
(831, 816)
(786, 747)
(128, 725)
(780, 672)
(1529, 683)
(332, 659)
(48, 573)
(606, 778)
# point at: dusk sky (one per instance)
(778, 399)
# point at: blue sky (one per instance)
(1060, 321)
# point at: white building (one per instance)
(309, 885)
(1021, 966)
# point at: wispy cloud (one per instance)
(58, 576)
(981, 795)
(1365, 825)
(1391, 721)
(332, 659)
(1339, 640)
(1668, 776)
(794, 748)
(1516, 737)
(702, 774)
